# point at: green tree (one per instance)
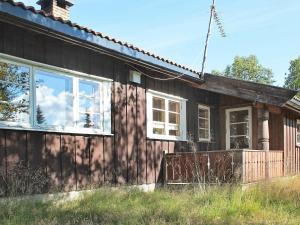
(292, 79)
(248, 68)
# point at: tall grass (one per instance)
(268, 203)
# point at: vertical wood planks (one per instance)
(141, 135)
(68, 151)
(36, 150)
(16, 148)
(53, 159)
(97, 161)
(110, 173)
(151, 159)
(120, 124)
(132, 133)
(158, 161)
(120, 132)
(83, 145)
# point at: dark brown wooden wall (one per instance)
(74, 161)
(291, 150)
(276, 131)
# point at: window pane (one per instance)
(158, 130)
(54, 102)
(239, 116)
(203, 133)
(88, 120)
(174, 132)
(89, 88)
(203, 123)
(174, 118)
(90, 105)
(174, 106)
(158, 103)
(239, 142)
(14, 93)
(298, 138)
(14, 73)
(14, 113)
(203, 113)
(158, 116)
(239, 129)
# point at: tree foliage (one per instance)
(13, 91)
(247, 68)
(292, 80)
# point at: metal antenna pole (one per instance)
(207, 38)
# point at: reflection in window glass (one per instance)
(54, 99)
(239, 142)
(89, 105)
(158, 103)
(239, 116)
(14, 93)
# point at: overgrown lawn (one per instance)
(268, 203)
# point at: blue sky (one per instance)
(176, 29)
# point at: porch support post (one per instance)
(263, 135)
(263, 129)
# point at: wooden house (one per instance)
(91, 110)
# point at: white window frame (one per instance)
(205, 107)
(182, 124)
(76, 76)
(297, 132)
(228, 111)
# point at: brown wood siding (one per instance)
(291, 150)
(97, 161)
(276, 131)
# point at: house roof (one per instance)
(40, 17)
(248, 90)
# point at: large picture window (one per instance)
(166, 116)
(239, 128)
(41, 97)
(204, 123)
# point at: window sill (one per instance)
(205, 140)
(167, 138)
(62, 131)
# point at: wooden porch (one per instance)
(243, 166)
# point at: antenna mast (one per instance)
(213, 14)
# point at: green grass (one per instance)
(268, 203)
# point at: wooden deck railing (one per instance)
(223, 166)
(255, 165)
